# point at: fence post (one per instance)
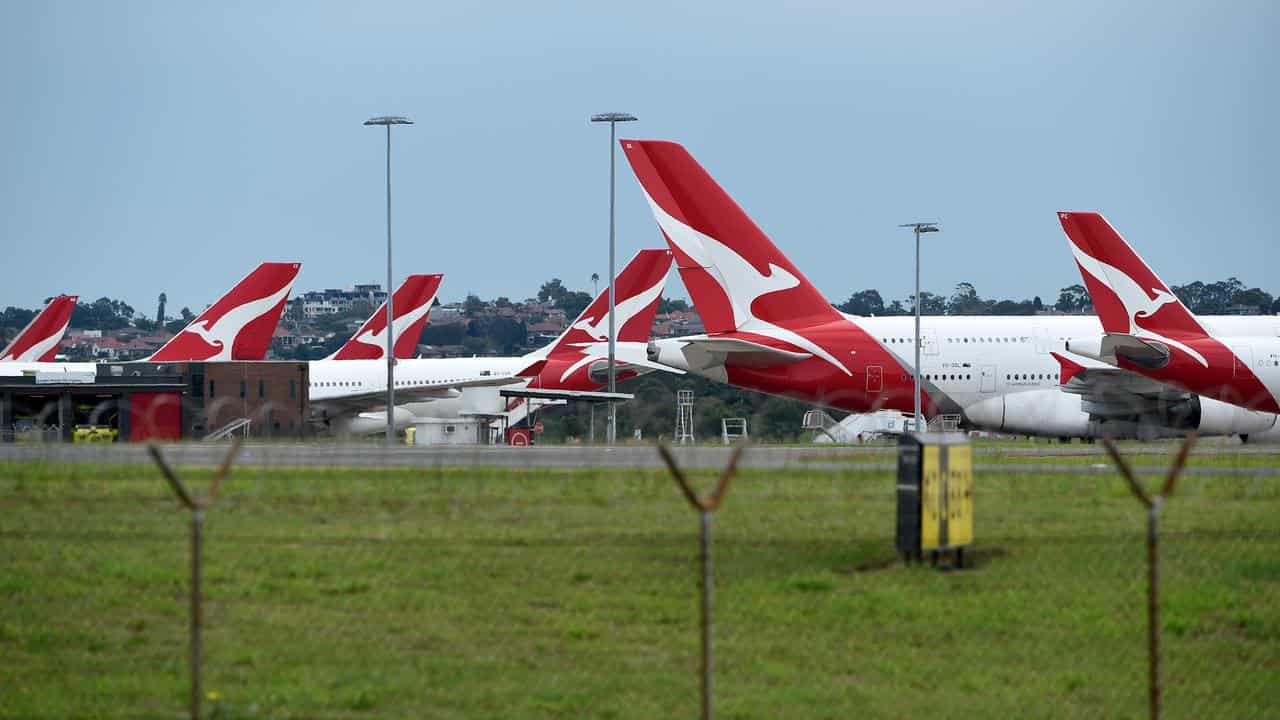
(704, 507)
(197, 507)
(1153, 504)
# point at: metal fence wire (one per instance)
(355, 580)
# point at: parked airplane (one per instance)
(768, 329)
(240, 324)
(346, 396)
(236, 327)
(411, 304)
(1148, 332)
(39, 340)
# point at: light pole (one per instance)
(595, 293)
(611, 433)
(388, 121)
(918, 227)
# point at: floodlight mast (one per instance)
(613, 118)
(918, 227)
(388, 121)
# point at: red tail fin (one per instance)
(637, 292)
(39, 340)
(411, 303)
(240, 324)
(1127, 295)
(733, 271)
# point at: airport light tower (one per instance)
(919, 228)
(611, 433)
(387, 121)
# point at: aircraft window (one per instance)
(966, 339)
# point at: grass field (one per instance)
(566, 594)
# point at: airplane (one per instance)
(769, 329)
(1148, 333)
(236, 327)
(39, 340)
(240, 324)
(411, 304)
(348, 397)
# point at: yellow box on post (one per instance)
(935, 495)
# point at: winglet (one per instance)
(39, 340)
(1069, 368)
(411, 303)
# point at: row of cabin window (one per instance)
(896, 341)
(262, 388)
(353, 383)
(1011, 376)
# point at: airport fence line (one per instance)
(346, 580)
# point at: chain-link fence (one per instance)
(346, 580)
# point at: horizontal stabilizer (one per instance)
(568, 395)
(705, 352)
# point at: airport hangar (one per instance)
(162, 401)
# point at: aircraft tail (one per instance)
(637, 291)
(39, 340)
(734, 272)
(411, 304)
(1127, 295)
(240, 324)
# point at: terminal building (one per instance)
(132, 402)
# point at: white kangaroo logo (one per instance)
(221, 333)
(740, 280)
(622, 312)
(1137, 302)
(379, 339)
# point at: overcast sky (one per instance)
(170, 146)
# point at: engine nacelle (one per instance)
(669, 352)
(1049, 412)
(370, 423)
(1219, 418)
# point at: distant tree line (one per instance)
(1225, 297)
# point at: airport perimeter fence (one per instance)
(361, 581)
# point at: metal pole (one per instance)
(591, 434)
(918, 416)
(197, 520)
(611, 434)
(706, 614)
(391, 357)
(1153, 605)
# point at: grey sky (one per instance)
(153, 147)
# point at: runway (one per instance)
(827, 458)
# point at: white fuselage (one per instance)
(970, 358)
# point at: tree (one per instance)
(667, 305)
(472, 306)
(863, 302)
(573, 303)
(160, 311)
(552, 291)
(1073, 298)
(965, 301)
(503, 302)
(930, 304)
(184, 319)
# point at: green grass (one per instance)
(566, 594)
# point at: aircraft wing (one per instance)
(1112, 392)
(377, 399)
(575, 395)
(710, 351)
